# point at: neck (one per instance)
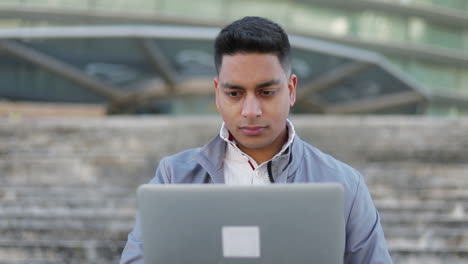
(266, 153)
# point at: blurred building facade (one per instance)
(427, 40)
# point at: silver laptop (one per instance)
(273, 224)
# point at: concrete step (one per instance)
(62, 251)
(47, 224)
(123, 170)
(68, 188)
(91, 202)
(38, 231)
(108, 252)
(415, 255)
(435, 205)
(421, 221)
(415, 174)
(374, 138)
(76, 191)
(62, 137)
(427, 238)
(65, 212)
(106, 203)
(381, 192)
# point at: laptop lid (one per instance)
(277, 223)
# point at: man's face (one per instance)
(253, 96)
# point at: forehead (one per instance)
(250, 66)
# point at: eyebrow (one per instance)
(260, 85)
(268, 83)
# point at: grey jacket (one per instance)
(365, 241)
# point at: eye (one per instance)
(233, 94)
(267, 92)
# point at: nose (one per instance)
(251, 107)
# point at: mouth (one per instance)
(252, 130)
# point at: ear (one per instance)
(292, 84)
(216, 87)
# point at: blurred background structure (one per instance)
(155, 56)
(67, 186)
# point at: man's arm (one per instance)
(133, 251)
(365, 241)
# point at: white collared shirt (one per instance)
(240, 168)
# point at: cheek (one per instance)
(228, 114)
(280, 109)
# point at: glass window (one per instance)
(333, 21)
(275, 10)
(84, 4)
(459, 5)
(22, 81)
(438, 77)
(463, 75)
(378, 26)
(204, 9)
(455, 4)
(443, 36)
(399, 62)
(465, 41)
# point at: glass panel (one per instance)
(83, 4)
(369, 84)
(116, 61)
(275, 10)
(308, 65)
(465, 41)
(399, 62)
(204, 9)
(443, 36)
(189, 57)
(455, 4)
(22, 81)
(444, 110)
(309, 18)
(438, 77)
(463, 75)
(459, 5)
(378, 26)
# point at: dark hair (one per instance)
(253, 34)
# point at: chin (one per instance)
(253, 144)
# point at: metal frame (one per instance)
(160, 62)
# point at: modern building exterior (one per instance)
(422, 43)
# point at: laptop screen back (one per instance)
(277, 223)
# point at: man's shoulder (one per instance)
(180, 167)
(182, 156)
(327, 166)
(195, 154)
(191, 165)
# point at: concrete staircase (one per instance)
(67, 187)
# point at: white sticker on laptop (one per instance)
(241, 241)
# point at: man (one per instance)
(257, 144)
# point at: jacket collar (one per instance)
(211, 158)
